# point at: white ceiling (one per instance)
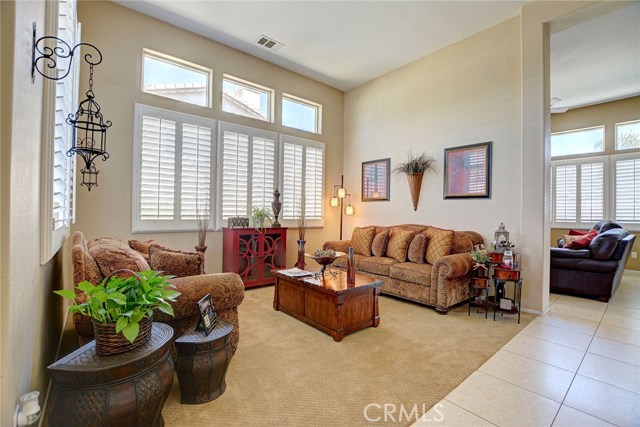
(347, 43)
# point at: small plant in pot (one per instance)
(121, 308)
(414, 168)
(481, 258)
(262, 218)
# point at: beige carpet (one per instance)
(286, 373)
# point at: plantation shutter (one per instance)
(566, 193)
(627, 190)
(313, 183)
(292, 164)
(195, 194)
(591, 192)
(235, 169)
(158, 167)
(263, 172)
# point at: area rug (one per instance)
(286, 373)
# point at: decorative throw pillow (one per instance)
(399, 243)
(112, 254)
(417, 248)
(582, 241)
(361, 240)
(379, 245)
(574, 232)
(568, 238)
(176, 262)
(142, 247)
(440, 244)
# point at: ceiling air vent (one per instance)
(269, 43)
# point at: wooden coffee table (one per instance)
(329, 304)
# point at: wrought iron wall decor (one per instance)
(89, 139)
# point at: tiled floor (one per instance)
(577, 366)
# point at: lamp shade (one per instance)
(349, 210)
(342, 193)
(334, 202)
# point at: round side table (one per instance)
(202, 363)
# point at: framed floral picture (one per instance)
(467, 171)
(375, 180)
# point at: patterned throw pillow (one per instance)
(142, 247)
(399, 243)
(379, 245)
(175, 262)
(361, 240)
(112, 254)
(417, 248)
(440, 244)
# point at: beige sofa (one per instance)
(439, 278)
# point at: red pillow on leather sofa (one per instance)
(583, 241)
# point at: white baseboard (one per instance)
(536, 312)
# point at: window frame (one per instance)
(177, 224)
(308, 103)
(251, 86)
(578, 155)
(615, 137)
(178, 62)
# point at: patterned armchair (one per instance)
(95, 260)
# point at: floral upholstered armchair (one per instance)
(93, 261)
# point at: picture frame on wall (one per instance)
(375, 180)
(467, 171)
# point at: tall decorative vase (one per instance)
(201, 248)
(415, 184)
(276, 206)
(300, 262)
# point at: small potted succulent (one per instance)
(481, 258)
(121, 308)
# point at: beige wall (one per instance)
(30, 315)
(607, 114)
(121, 34)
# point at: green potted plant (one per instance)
(415, 168)
(262, 218)
(121, 308)
(481, 258)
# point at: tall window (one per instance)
(591, 186)
(301, 114)
(172, 169)
(61, 99)
(170, 77)
(302, 178)
(248, 169)
(247, 99)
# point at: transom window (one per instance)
(301, 114)
(580, 141)
(170, 77)
(247, 99)
(628, 135)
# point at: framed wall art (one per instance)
(467, 171)
(375, 180)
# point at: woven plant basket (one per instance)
(109, 342)
(415, 183)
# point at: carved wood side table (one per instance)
(202, 363)
(126, 389)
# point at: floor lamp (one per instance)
(339, 194)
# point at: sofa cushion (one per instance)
(342, 261)
(604, 244)
(417, 248)
(581, 242)
(399, 243)
(84, 266)
(412, 272)
(176, 262)
(376, 265)
(113, 254)
(440, 244)
(142, 247)
(361, 240)
(602, 226)
(379, 245)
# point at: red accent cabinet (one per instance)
(253, 254)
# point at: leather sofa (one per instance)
(596, 271)
(441, 284)
(91, 260)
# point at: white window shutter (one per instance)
(195, 192)
(591, 192)
(566, 193)
(292, 165)
(313, 183)
(234, 176)
(157, 174)
(263, 172)
(627, 190)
